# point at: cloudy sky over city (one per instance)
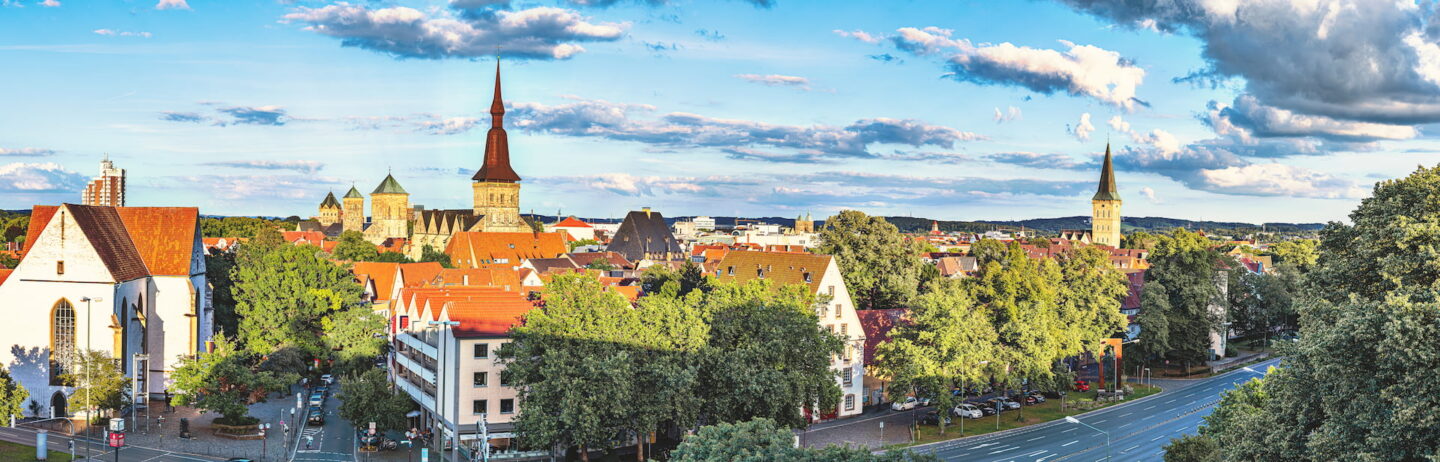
(1267, 110)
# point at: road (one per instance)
(332, 442)
(57, 442)
(1138, 429)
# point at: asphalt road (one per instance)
(1137, 430)
(332, 442)
(57, 442)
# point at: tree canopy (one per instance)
(12, 395)
(369, 398)
(353, 247)
(881, 267)
(761, 440)
(98, 380)
(223, 381)
(1186, 270)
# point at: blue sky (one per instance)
(1272, 110)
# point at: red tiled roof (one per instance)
(572, 222)
(1134, 283)
(5, 274)
(498, 277)
(472, 249)
(310, 237)
(39, 217)
(877, 325)
(164, 236)
(105, 231)
(490, 314)
(382, 273)
(417, 274)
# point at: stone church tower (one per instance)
(497, 186)
(329, 210)
(389, 211)
(1105, 207)
(353, 216)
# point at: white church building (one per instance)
(122, 280)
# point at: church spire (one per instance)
(497, 145)
(1106, 190)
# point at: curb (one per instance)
(948, 444)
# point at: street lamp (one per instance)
(439, 389)
(89, 417)
(1107, 434)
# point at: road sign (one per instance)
(372, 428)
(117, 439)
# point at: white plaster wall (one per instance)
(845, 315)
(493, 392)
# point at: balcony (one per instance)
(416, 367)
(416, 392)
(417, 344)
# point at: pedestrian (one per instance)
(309, 439)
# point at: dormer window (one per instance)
(731, 271)
(807, 278)
(60, 267)
(760, 273)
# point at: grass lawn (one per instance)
(1040, 413)
(15, 451)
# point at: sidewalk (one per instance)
(204, 442)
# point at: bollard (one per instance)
(42, 448)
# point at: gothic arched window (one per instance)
(62, 339)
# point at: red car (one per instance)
(1081, 385)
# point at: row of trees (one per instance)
(1013, 322)
(352, 246)
(1359, 384)
(279, 308)
(593, 371)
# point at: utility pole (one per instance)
(89, 417)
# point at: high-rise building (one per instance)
(1105, 207)
(108, 189)
(497, 186)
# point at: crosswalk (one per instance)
(313, 436)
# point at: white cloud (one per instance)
(39, 177)
(1082, 130)
(1149, 194)
(449, 125)
(1010, 115)
(26, 152)
(537, 33)
(1119, 125)
(116, 33)
(50, 3)
(1160, 139)
(300, 166)
(1248, 118)
(1280, 180)
(858, 35)
(776, 80)
(929, 40)
(172, 5)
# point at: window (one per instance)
(482, 379)
(731, 271)
(845, 330)
(824, 310)
(760, 273)
(847, 378)
(62, 340)
(482, 350)
(838, 309)
(60, 267)
(849, 402)
(830, 291)
(504, 378)
(507, 406)
(848, 351)
(480, 406)
(807, 278)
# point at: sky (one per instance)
(1257, 111)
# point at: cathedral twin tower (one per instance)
(495, 193)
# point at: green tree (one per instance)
(14, 228)
(98, 380)
(947, 343)
(1154, 321)
(1302, 253)
(219, 267)
(7, 261)
(390, 256)
(1022, 299)
(222, 381)
(1089, 299)
(581, 243)
(283, 294)
(761, 440)
(1187, 268)
(241, 227)
(12, 396)
(369, 398)
(428, 254)
(881, 267)
(1139, 240)
(354, 247)
(988, 250)
(348, 331)
(1192, 448)
(687, 279)
(1258, 302)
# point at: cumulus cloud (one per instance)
(1248, 118)
(776, 80)
(541, 33)
(1160, 139)
(26, 152)
(634, 122)
(1083, 129)
(119, 33)
(48, 177)
(299, 166)
(1080, 70)
(1010, 115)
(1374, 61)
(172, 5)
(182, 116)
(1280, 180)
(1119, 124)
(857, 35)
(1149, 194)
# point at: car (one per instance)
(1030, 400)
(999, 404)
(907, 404)
(1037, 396)
(327, 379)
(317, 399)
(1081, 385)
(1013, 404)
(324, 390)
(967, 410)
(933, 418)
(316, 416)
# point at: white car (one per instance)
(328, 379)
(968, 411)
(909, 403)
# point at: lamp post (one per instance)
(1107, 434)
(439, 389)
(88, 413)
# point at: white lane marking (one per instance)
(1068, 431)
(1042, 459)
(1125, 414)
(1102, 420)
(1171, 401)
(1157, 438)
(1126, 425)
(1070, 443)
(1036, 453)
(1038, 438)
(1003, 450)
(1152, 406)
(983, 445)
(1131, 447)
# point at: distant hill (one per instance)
(1054, 225)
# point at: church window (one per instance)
(62, 339)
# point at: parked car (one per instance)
(323, 389)
(327, 379)
(316, 416)
(1013, 404)
(1081, 385)
(1037, 396)
(933, 418)
(317, 399)
(999, 404)
(1030, 400)
(968, 411)
(909, 403)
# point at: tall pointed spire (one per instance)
(1106, 190)
(497, 145)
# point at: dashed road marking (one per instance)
(1038, 438)
(1070, 443)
